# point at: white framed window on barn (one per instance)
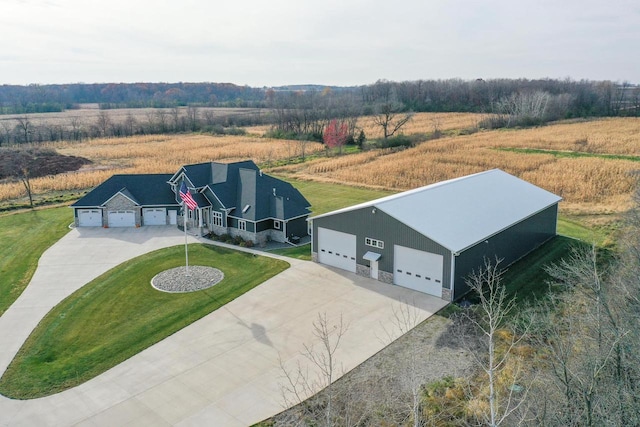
(374, 242)
(277, 225)
(242, 225)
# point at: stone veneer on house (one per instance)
(120, 203)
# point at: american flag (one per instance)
(186, 197)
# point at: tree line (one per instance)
(303, 112)
(582, 98)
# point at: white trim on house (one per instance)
(217, 215)
(214, 195)
(242, 225)
(123, 195)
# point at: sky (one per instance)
(332, 42)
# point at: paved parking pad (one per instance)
(224, 370)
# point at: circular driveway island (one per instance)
(180, 280)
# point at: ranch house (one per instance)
(235, 198)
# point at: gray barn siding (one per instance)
(363, 223)
(510, 244)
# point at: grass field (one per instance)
(25, 236)
(119, 314)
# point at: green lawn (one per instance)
(526, 279)
(25, 236)
(570, 154)
(119, 314)
(571, 228)
(299, 252)
(325, 197)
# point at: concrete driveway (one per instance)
(223, 370)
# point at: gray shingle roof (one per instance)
(146, 190)
(241, 184)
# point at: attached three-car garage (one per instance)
(128, 201)
(431, 238)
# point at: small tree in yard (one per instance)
(18, 164)
(336, 135)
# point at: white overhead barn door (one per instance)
(337, 249)
(154, 216)
(418, 270)
(90, 218)
(122, 219)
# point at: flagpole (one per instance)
(186, 250)
(187, 203)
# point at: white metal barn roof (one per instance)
(461, 212)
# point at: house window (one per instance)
(217, 219)
(373, 242)
(242, 225)
(276, 225)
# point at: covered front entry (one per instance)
(123, 218)
(89, 218)
(154, 216)
(337, 249)
(418, 270)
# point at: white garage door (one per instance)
(337, 249)
(90, 218)
(154, 216)
(418, 270)
(121, 218)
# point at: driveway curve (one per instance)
(223, 370)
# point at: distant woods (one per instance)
(299, 112)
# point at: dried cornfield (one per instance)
(425, 123)
(595, 185)
(154, 154)
(587, 184)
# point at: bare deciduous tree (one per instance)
(390, 118)
(491, 316)
(304, 381)
(25, 128)
(103, 122)
(76, 128)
